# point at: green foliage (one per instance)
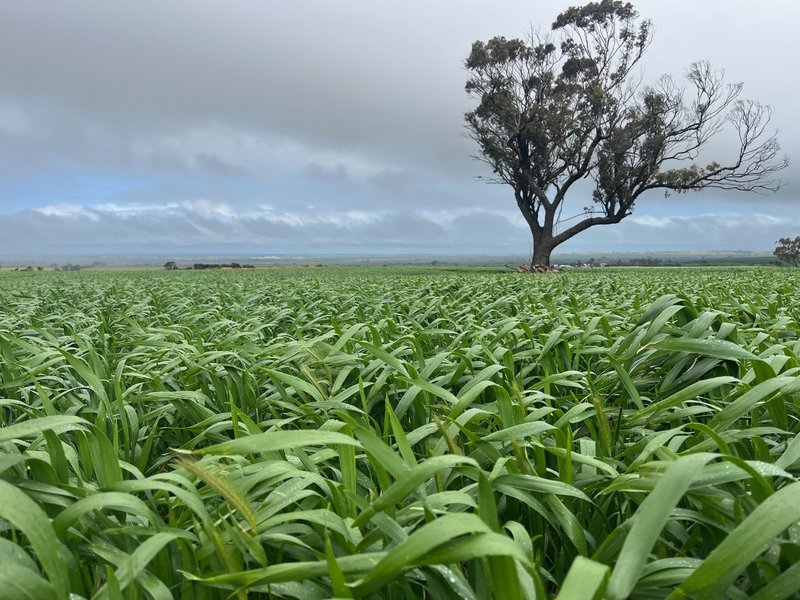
(400, 434)
(788, 251)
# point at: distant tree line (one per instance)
(173, 266)
(66, 267)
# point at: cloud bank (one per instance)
(299, 126)
(199, 226)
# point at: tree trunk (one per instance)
(542, 233)
(545, 241)
(542, 249)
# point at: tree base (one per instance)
(534, 269)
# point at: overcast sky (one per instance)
(326, 126)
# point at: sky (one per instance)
(328, 127)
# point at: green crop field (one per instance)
(400, 434)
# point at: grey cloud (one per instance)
(327, 74)
(325, 175)
(198, 223)
(385, 77)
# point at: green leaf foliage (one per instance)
(400, 433)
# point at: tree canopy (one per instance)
(559, 108)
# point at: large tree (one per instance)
(559, 110)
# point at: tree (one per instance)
(552, 113)
(788, 251)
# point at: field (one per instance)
(400, 434)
